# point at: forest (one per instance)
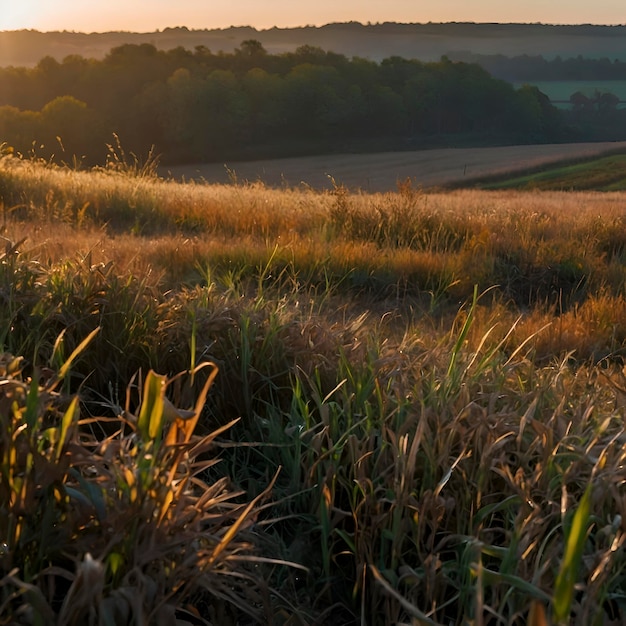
(530, 68)
(195, 105)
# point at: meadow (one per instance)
(231, 404)
(607, 173)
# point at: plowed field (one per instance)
(382, 171)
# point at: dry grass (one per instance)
(107, 520)
(438, 376)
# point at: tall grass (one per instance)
(427, 389)
(107, 520)
(552, 249)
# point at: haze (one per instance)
(150, 15)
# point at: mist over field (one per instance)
(426, 42)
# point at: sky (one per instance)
(150, 15)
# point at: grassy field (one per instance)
(381, 172)
(602, 174)
(230, 404)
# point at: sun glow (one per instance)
(151, 15)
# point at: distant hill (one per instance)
(427, 42)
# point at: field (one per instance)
(232, 404)
(382, 171)
(604, 174)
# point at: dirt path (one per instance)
(381, 171)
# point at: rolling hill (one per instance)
(427, 42)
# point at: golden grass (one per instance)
(439, 376)
(551, 249)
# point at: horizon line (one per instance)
(305, 26)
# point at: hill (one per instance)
(607, 173)
(427, 42)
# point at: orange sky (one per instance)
(149, 15)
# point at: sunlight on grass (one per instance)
(230, 403)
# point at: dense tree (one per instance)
(533, 68)
(265, 94)
(19, 129)
(196, 105)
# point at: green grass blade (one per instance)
(463, 334)
(566, 579)
(418, 616)
(491, 577)
(68, 418)
(81, 346)
(193, 347)
(31, 414)
(151, 415)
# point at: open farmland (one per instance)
(232, 404)
(382, 171)
(603, 174)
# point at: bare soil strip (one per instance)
(382, 171)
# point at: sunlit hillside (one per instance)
(230, 404)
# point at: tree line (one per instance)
(195, 105)
(537, 68)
